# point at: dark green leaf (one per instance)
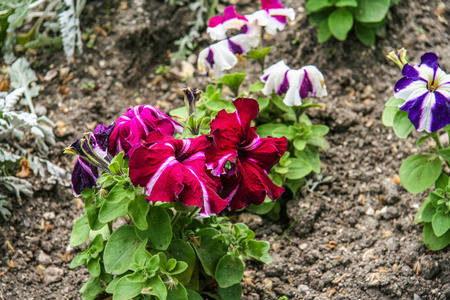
(233, 292)
(159, 231)
(419, 172)
(93, 266)
(316, 5)
(233, 81)
(193, 295)
(432, 241)
(340, 22)
(155, 286)
(263, 103)
(91, 288)
(111, 211)
(229, 271)
(440, 223)
(127, 289)
(445, 154)
(182, 251)
(310, 155)
(342, 3)
(120, 249)
(210, 250)
(219, 104)
(177, 292)
(259, 251)
(257, 54)
(442, 182)
(262, 208)
(365, 34)
(372, 11)
(266, 130)
(138, 210)
(323, 31)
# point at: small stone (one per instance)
(93, 71)
(63, 72)
(303, 246)
(43, 258)
(50, 75)
(164, 86)
(192, 59)
(41, 110)
(303, 288)
(102, 63)
(370, 211)
(187, 69)
(417, 297)
(50, 215)
(53, 274)
(250, 220)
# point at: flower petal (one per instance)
(84, 176)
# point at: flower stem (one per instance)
(194, 212)
(176, 217)
(438, 142)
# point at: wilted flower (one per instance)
(296, 84)
(272, 16)
(191, 97)
(241, 158)
(174, 170)
(426, 89)
(219, 25)
(93, 154)
(136, 124)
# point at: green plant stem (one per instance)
(298, 110)
(438, 142)
(194, 213)
(176, 217)
(110, 228)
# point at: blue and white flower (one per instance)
(426, 90)
(296, 84)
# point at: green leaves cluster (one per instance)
(435, 215)
(337, 17)
(164, 253)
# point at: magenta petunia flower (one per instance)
(273, 16)
(136, 124)
(241, 158)
(219, 25)
(174, 170)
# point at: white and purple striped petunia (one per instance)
(219, 25)
(273, 16)
(426, 90)
(219, 57)
(174, 170)
(296, 84)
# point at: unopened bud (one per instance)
(399, 58)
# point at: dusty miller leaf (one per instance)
(70, 28)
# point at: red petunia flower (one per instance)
(250, 157)
(174, 170)
(136, 124)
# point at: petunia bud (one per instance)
(191, 96)
(399, 58)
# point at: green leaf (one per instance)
(80, 231)
(111, 211)
(263, 103)
(316, 5)
(310, 155)
(442, 182)
(92, 288)
(127, 289)
(340, 22)
(299, 144)
(266, 130)
(219, 104)
(159, 231)
(138, 210)
(371, 11)
(419, 172)
(182, 251)
(257, 54)
(319, 130)
(193, 295)
(233, 292)
(288, 131)
(120, 249)
(342, 3)
(318, 142)
(233, 81)
(440, 223)
(177, 292)
(112, 285)
(323, 32)
(262, 208)
(432, 241)
(155, 286)
(424, 208)
(256, 87)
(259, 251)
(229, 271)
(391, 109)
(93, 266)
(299, 168)
(402, 125)
(116, 194)
(422, 140)
(445, 154)
(210, 250)
(295, 185)
(365, 34)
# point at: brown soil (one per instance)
(351, 238)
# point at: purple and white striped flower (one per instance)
(84, 176)
(296, 84)
(426, 90)
(174, 170)
(273, 16)
(219, 25)
(220, 57)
